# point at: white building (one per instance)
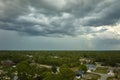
(91, 67)
(111, 73)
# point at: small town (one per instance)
(60, 65)
(59, 39)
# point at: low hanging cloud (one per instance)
(58, 18)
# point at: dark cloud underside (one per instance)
(57, 17)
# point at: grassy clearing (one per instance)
(90, 76)
(93, 76)
(101, 70)
(110, 78)
(74, 68)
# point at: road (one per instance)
(103, 76)
(47, 66)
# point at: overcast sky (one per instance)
(59, 24)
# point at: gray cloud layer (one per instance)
(58, 17)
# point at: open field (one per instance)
(101, 70)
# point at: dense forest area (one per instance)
(62, 57)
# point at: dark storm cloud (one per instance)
(57, 17)
(106, 44)
(110, 15)
(78, 8)
(11, 9)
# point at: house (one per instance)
(85, 60)
(7, 63)
(15, 77)
(1, 72)
(91, 67)
(111, 73)
(54, 57)
(6, 78)
(113, 70)
(79, 74)
(14, 66)
(99, 64)
(30, 56)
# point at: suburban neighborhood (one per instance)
(27, 66)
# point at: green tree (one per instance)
(66, 73)
(26, 71)
(83, 67)
(54, 69)
(51, 76)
